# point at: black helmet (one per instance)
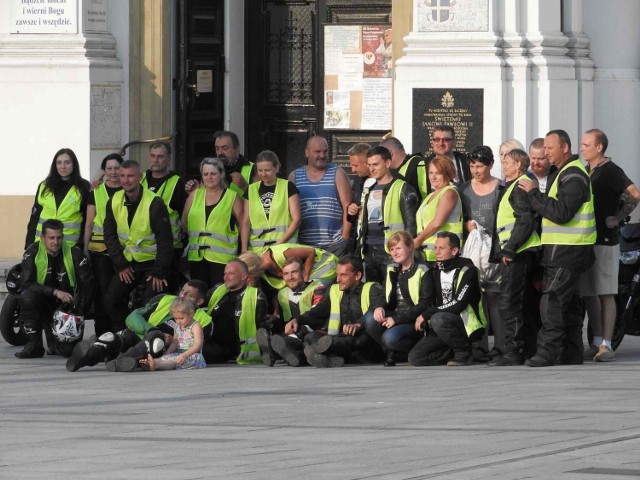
(13, 279)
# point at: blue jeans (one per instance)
(399, 338)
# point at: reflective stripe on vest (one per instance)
(304, 304)
(166, 193)
(162, 313)
(391, 212)
(472, 320)
(324, 263)
(335, 295)
(506, 220)
(581, 229)
(138, 241)
(68, 213)
(267, 231)
(421, 171)
(100, 197)
(213, 239)
(249, 349)
(42, 264)
(413, 283)
(427, 212)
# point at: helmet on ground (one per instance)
(67, 327)
(13, 279)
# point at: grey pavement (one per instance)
(356, 422)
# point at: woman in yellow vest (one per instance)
(61, 196)
(94, 245)
(441, 210)
(271, 207)
(407, 289)
(212, 218)
(518, 243)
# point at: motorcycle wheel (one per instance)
(10, 326)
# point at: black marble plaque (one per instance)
(459, 107)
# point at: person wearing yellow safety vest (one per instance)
(271, 207)
(441, 210)
(516, 243)
(139, 241)
(388, 206)
(295, 298)
(94, 245)
(454, 320)
(149, 330)
(318, 264)
(412, 167)
(240, 171)
(168, 185)
(341, 313)
(407, 288)
(238, 310)
(568, 235)
(212, 218)
(53, 275)
(61, 196)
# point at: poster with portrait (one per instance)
(357, 77)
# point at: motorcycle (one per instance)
(10, 325)
(627, 304)
(628, 307)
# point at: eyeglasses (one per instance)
(442, 140)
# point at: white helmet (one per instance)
(67, 327)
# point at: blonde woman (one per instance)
(440, 210)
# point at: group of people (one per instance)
(417, 259)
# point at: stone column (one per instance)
(60, 84)
(150, 94)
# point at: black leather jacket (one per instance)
(408, 208)
(350, 307)
(57, 278)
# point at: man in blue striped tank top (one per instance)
(325, 194)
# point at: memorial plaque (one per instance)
(462, 108)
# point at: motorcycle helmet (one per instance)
(13, 279)
(67, 327)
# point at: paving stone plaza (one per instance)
(356, 422)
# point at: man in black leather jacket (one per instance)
(341, 312)
(387, 202)
(53, 275)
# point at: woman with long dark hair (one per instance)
(61, 196)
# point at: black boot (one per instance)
(390, 360)
(123, 363)
(289, 348)
(126, 339)
(33, 348)
(87, 354)
(263, 337)
(507, 360)
(337, 345)
(320, 360)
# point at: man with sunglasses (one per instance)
(443, 139)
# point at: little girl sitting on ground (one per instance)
(185, 350)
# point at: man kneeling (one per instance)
(456, 318)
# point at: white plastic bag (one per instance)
(477, 248)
